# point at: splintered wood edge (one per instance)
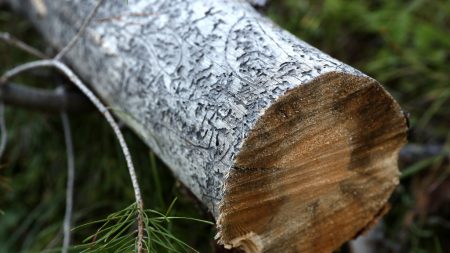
(316, 170)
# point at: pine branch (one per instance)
(57, 64)
(99, 105)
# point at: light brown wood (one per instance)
(317, 168)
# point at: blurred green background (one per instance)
(403, 44)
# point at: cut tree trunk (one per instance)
(290, 149)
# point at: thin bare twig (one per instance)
(70, 182)
(97, 103)
(75, 38)
(3, 130)
(8, 38)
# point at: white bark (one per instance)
(190, 77)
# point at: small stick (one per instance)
(8, 38)
(3, 130)
(70, 182)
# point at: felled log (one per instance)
(290, 149)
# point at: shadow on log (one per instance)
(290, 149)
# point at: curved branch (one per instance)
(109, 118)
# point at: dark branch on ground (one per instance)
(412, 153)
(43, 100)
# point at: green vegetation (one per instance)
(403, 44)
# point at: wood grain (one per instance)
(317, 168)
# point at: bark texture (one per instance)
(290, 149)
